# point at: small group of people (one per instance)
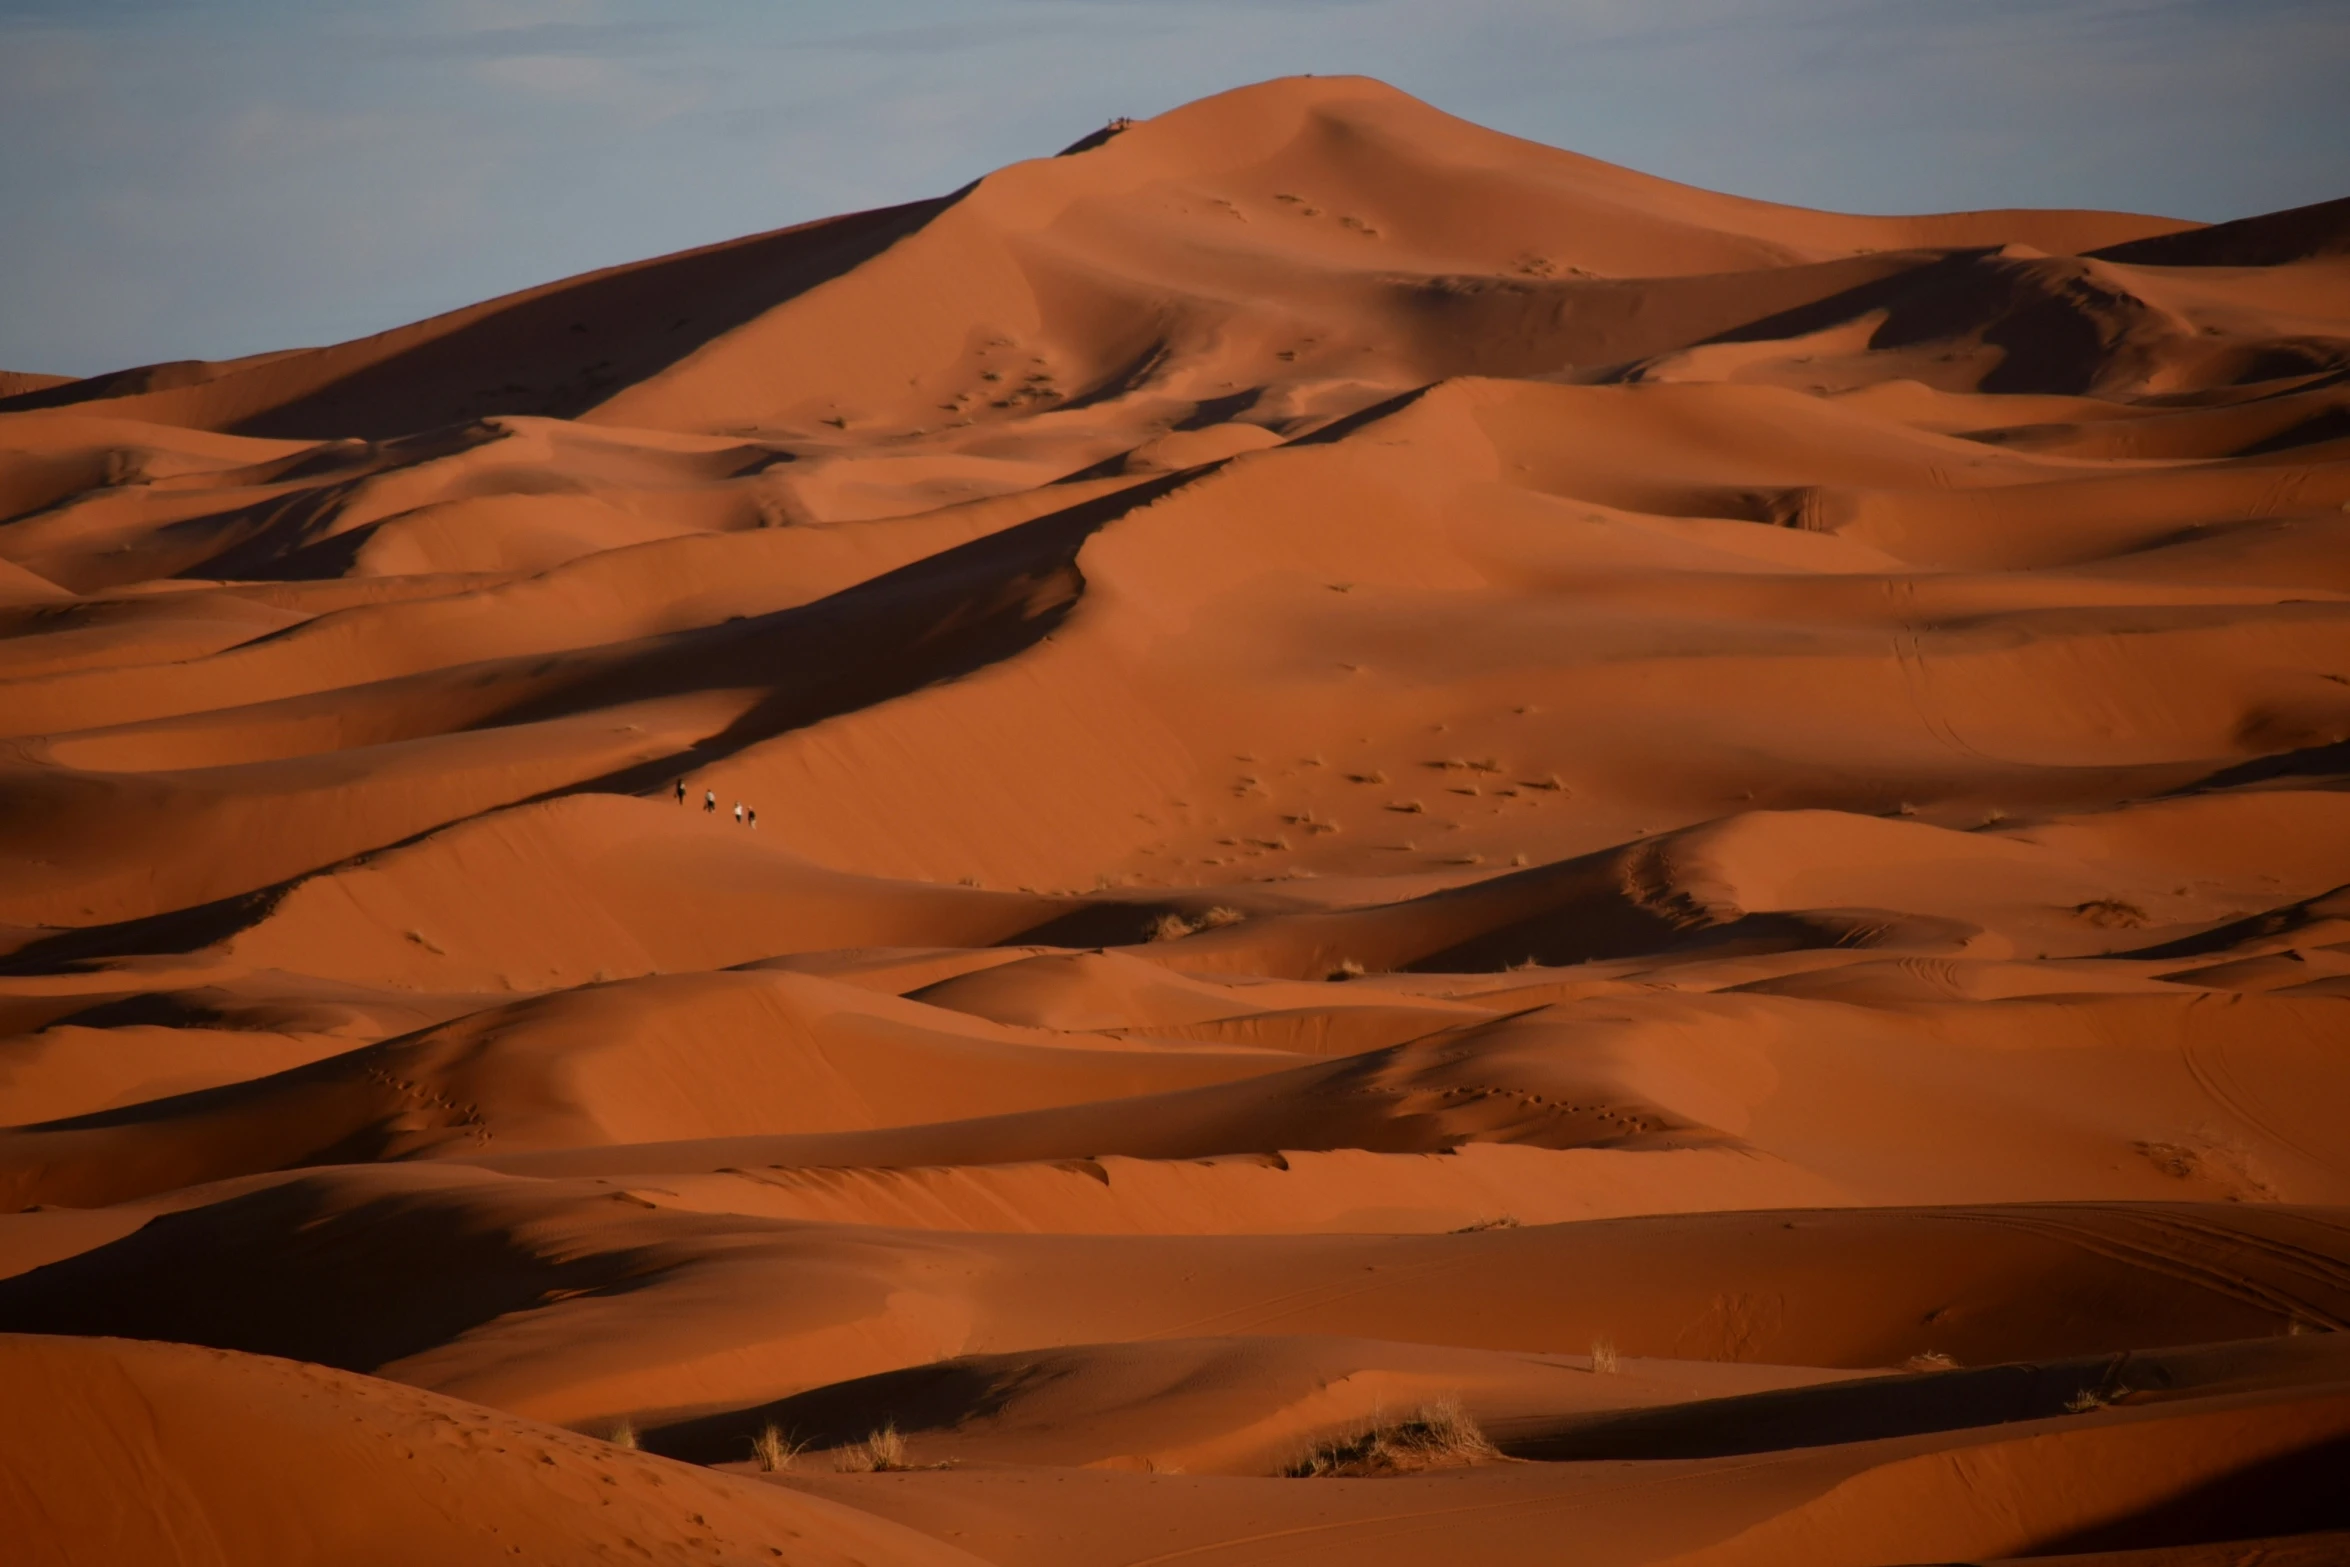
(743, 816)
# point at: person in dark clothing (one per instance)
(681, 791)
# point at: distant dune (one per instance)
(1310, 836)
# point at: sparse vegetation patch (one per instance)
(1438, 1435)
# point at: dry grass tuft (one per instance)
(1347, 968)
(623, 1434)
(774, 1450)
(879, 1453)
(1931, 1360)
(1434, 1436)
(1174, 927)
(1502, 1221)
(1603, 1357)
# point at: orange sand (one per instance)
(1395, 771)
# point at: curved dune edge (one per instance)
(1310, 789)
(165, 1453)
(2098, 1481)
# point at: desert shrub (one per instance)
(884, 1450)
(1440, 1435)
(773, 1449)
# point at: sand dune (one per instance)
(1442, 848)
(581, 1299)
(163, 1453)
(1986, 1495)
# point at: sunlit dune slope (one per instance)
(164, 1453)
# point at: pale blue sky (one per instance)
(205, 178)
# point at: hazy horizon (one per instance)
(205, 181)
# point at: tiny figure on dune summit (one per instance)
(709, 801)
(681, 791)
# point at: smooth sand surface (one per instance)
(1457, 856)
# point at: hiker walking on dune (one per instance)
(751, 817)
(738, 813)
(709, 801)
(681, 791)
